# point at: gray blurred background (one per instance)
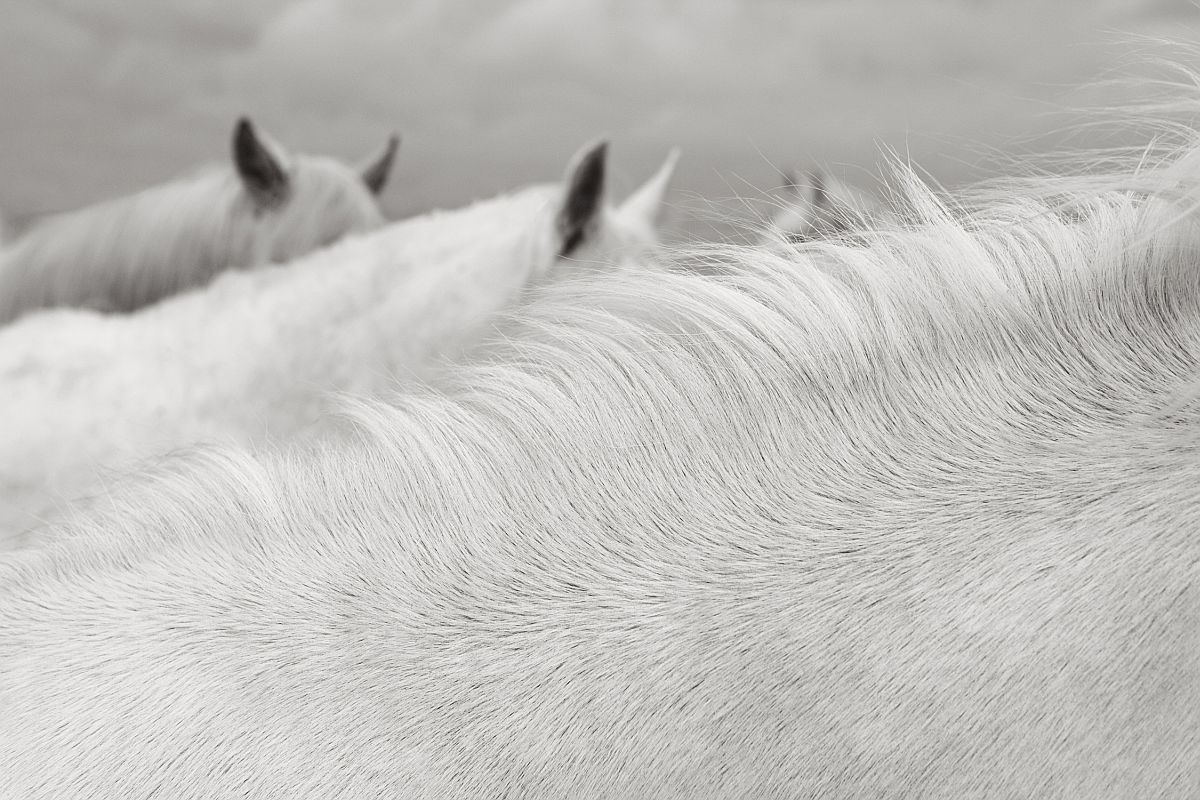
(102, 98)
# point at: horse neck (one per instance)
(133, 250)
(464, 268)
(994, 357)
(362, 315)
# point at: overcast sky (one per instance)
(98, 99)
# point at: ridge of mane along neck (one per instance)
(124, 253)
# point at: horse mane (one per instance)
(771, 331)
(185, 221)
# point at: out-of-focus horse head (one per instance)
(587, 229)
(269, 206)
(301, 203)
(821, 206)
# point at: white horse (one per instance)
(256, 354)
(126, 253)
(823, 207)
(913, 519)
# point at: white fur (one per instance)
(126, 253)
(912, 519)
(255, 355)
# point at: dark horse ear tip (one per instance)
(599, 148)
(583, 202)
(592, 159)
(590, 153)
(391, 145)
(375, 173)
(262, 175)
(245, 136)
(588, 168)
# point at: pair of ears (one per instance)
(260, 164)
(582, 211)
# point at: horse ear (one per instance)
(647, 202)
(583, 203)
(376, 170)
(820, 197)
(789, 179)
(260, 170)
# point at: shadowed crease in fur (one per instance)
(911, 519)
(123, 254)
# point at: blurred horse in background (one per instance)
(822, 207)
(256, 354)
(916, 518)
(126, 253)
